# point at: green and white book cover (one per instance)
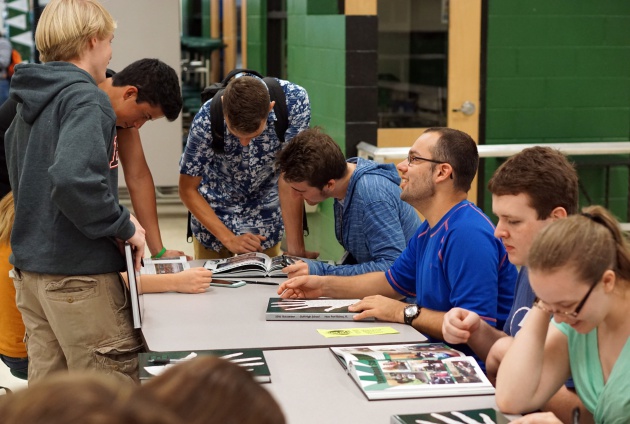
(473, 416)
(253, 360)
(279, 309)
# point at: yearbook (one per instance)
(413, 371)
(135, 288)
(253, 264)
(154, 363)
(279, 309)
(481, 416)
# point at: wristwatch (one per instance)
(411, 312)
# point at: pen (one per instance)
(576, 415)
(266, 283)
(488, 319)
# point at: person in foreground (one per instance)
(63, 168)
(452, 260)
(529, 191)
(229, 394)
(579, 268)
(371, 222)
(86, 398)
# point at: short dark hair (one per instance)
(246, 103)
(311, 156)
(460, 151)
(157, 84)
(544, 174)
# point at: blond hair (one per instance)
(66, 26)
(7, 215)
(590, 243)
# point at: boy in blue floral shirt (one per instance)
(235, 196)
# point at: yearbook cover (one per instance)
(481, 416)
(154, 363)
(279, 309)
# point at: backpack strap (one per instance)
(217, 123)
(276, 93)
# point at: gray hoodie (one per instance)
(63, 158)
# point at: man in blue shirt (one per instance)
(234, 194)
(453, 260)
(371, 222)
(530, 190)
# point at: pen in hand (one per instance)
(576, 415)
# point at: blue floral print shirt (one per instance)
(240, 185)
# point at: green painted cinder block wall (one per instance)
(316, 54)
(560, 72)
(257, 35)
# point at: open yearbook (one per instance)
(480, 416)
(253, 264)
(279, 309)
(413, 371)
(253, 360)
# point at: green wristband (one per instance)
(160, 253)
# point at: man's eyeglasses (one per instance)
(539, 304)
(412, 160)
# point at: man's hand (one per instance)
(245, 243)
(297, 269)
(459, 324)
(193, 280)
(305, 287)
(380, 307)
(138, 240)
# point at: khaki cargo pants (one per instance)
(77, 323)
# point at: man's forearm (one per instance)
(358, 286)
(483, 339)
(199, 207)
(140, 185)
(142, 193)
(292, 215)
(429, 322)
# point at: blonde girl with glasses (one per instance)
(579, 268)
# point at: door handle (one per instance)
(467, 108)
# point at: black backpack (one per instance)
(215, 91)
